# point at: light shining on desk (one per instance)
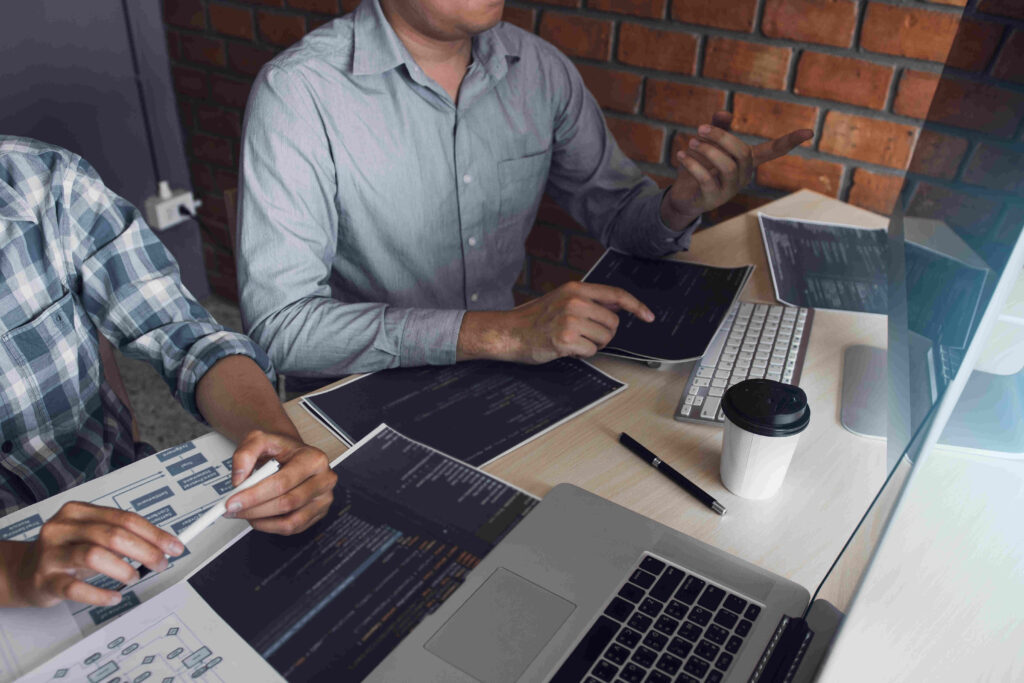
(831, 481)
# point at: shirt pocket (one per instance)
(522, 181)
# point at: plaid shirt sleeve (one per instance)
(131, 289)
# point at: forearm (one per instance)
(483, 336)
(12, 558)
(235, 397)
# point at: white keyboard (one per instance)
(755, 340)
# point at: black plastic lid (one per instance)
(767, 407)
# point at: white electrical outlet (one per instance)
(168, 208)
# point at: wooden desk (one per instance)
(833, 476)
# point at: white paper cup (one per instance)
(763, 423)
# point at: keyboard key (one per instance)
(666, 625)
(631, 673)
(707, 650)
(605, 670)
(696, 666)
(639, 622)
(667, 584)
(735, 603)
(675, 609)
(617, 653)
(669, 664)
(628, 637)
(734, 644)
(679, 647)
(752, 612)
(587, 651)
(724, 660)
(657, 677)
(706, 371)
(690, 589)
(743, 628)
(716, 634)
(690, 631)
(652, 564)
(700, 616)
(642, 578)
(683, 678)
(711, 406)
(726, 618)
(631, 592)
(619, 609)
(716, 392)
(655, 640)
(701, 382)
(650, 607)
(591, 679)
(644, 656)
(714, 677)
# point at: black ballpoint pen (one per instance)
(657, 463)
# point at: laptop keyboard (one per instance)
(755, 340)
(663, 626)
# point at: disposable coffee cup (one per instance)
(763, 422)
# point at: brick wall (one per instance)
(861, 73)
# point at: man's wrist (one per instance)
(484, 335)
(676, 218)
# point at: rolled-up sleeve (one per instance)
(596, 183)
(131, 289)
(287, 241)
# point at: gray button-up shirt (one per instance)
(374, 211)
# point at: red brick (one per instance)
(738, 61)
(220, 269)
(995, 167)
(213, 209)
(875, 191)
(186, 113)
(953, 3)
(770, 118)
(321, 6)
(792, 173)
(545, 242)
(584, 252)
(231, 20)
(937, 154)
(350, 5)
(202, 177)
(914, 93)
(661, 181)
(652, 9)
(281, 29)
(545, 277)
(191, 82)
(1004, 8)
(826, 22)
(974, 45)
(562, 3)
(229, 91)
(264, 3)
(973, 214)
(640, 141)
(843, 79)
(690, 105)
(523, 18)
(1010, 65)
(616, 90)
(908, 31)
(654, 49)
(858, 137)
(185, 13)
(577, 36)
(203, 50)
(518, 297)
(248, 59)
(977, 106)
(551, 213)
(225, 179)
(173, 46)
(734, 15)
(214, 150)
(223, 122)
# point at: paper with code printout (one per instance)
(689, 302)
(172, 489)
(406, 526)
(474, 411)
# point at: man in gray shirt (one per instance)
(392, 166)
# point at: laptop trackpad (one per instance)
(503, 626)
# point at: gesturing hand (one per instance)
(289, 501)
(717, 165)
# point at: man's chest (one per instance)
(32, 273)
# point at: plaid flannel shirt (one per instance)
(77, 261)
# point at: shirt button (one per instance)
(474, 296)
(467, 179)
(472, 241)
(7, 447)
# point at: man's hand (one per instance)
(577, 319)
(79, 541)
(716, 166)
(289, 501)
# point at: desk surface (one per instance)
(834, 474)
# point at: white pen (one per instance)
(217, 511)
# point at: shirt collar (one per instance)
(12, 204)
(377, 48)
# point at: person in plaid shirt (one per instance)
(76, 262)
